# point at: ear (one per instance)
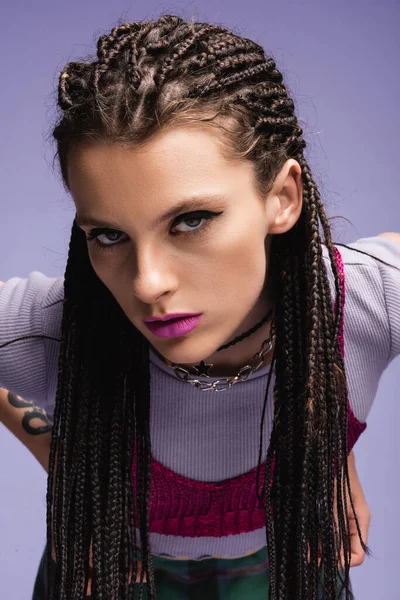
(285, 200)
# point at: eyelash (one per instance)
(200, 214)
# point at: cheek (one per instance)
(237, 269)
(242, 255)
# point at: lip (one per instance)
(175, 328)
(170, 316)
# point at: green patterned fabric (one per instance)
(210, 579)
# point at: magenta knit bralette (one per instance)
(180, 506)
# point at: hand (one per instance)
(357, 554)
(363, 515)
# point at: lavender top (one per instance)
(207, 437)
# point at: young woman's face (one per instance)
(209, 257)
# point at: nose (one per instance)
(153, 276)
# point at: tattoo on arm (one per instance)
(34, 412)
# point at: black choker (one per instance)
(241, 337)
(202, 368)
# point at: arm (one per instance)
(357, 554)
(29, 423)
(363, 515)
(30, 331)
(31, 426)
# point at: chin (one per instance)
(178, 351)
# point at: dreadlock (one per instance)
(149, 76)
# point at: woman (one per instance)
(185, 161)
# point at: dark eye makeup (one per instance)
(199, 215)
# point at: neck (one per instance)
(229, 361)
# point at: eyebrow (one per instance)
(186, 205)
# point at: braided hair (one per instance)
(154, 75)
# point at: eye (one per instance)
(106, 239)
(193, 220)
(111, 237)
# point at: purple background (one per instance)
(340, 60)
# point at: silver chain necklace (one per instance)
(226, 382)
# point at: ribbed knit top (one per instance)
(205, 445)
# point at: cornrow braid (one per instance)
(116, 45)
(149, 75)
(183, 49)
(105, 42)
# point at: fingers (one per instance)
(357, 554)
(364, 518)
(363, 515)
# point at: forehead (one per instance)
(173, 165)
(176, 154)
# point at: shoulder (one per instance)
(372, 288)
(30, 305)
(36, 289)
(379, 254)
(36, 285)
(371, 251)
(30, 313)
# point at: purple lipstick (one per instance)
(173, 325)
